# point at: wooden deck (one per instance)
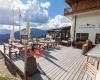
(62, 63)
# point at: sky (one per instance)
(56, 7)
(42, 14)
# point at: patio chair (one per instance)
(86, 47)
(92, 71)
(13, 50)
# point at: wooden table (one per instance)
(95, 53)
(19, 46)
(51, 42)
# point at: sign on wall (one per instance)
(92, 26)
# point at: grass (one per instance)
(6, 78)
(2, 78)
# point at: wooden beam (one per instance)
(98, 3)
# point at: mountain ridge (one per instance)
(34, 33)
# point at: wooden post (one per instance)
(30, 66)
(10, 51)
(25, 64)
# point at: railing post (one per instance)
(4, 48)
(10, 51)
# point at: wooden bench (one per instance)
(92, 71)
(78, 44)
(65, 42)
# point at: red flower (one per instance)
(37, 52)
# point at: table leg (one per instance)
(20, 51)
(97, 65)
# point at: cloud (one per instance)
(57, 22)
(45, 5)
(37, 12)
(34, 11)
(10, 27)
(7, 7)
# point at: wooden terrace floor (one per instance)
(62, 63)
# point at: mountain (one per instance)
(4, 31)
(4, 38)
(34, 33)
(37, 32)
(5, 34)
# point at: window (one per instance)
(97, 39)
(81, 36)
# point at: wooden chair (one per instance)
(86, 47)
(10, 49)
(92, 71)
(13, 50)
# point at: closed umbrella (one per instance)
(12, 36)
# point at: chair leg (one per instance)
(10, 54)
(16, 54)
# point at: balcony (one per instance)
(83, 6)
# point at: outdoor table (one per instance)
(19, 46)
(39, 44)
(30, 43)
(53, 42)
(48, 42)
(95, 53)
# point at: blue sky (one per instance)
(57, 7)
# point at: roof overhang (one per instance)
(78, 12)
